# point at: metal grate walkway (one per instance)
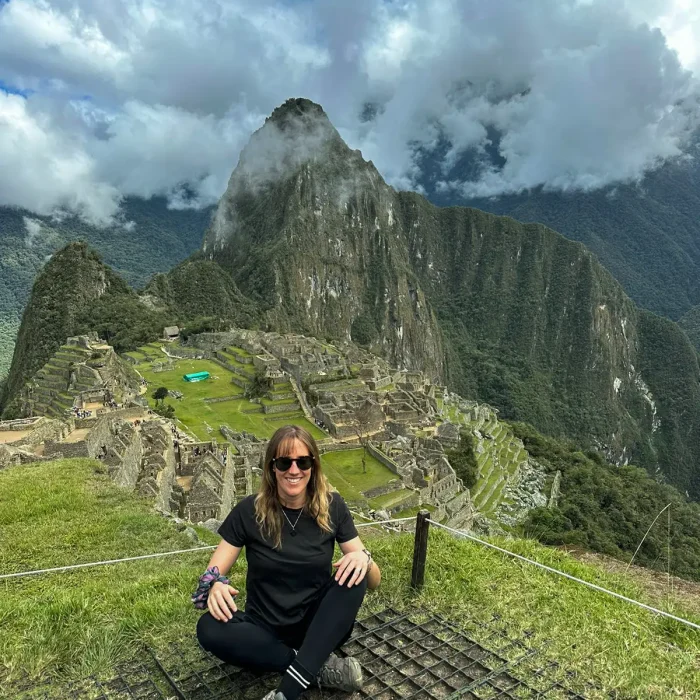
(404, 656)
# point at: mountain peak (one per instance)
(296, 133)
(298, 112)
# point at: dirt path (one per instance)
(7, 436)
(77, 435)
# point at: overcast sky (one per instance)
(99, 100)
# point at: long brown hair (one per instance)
(268, 507)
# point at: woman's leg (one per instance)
(330, 626)
(243, 643)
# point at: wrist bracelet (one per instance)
(206, 581)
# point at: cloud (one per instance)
(148, 97)
(33, 227)
(45, 165)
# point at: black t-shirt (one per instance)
(282, 583)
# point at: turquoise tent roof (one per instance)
(196, 376)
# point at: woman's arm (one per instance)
(225, 556)
(220, 602)
(352, 551)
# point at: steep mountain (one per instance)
(513, 314)
(199, 287)
(647, 234)
(75, 293)
(690, 323)
(308, 230)
(152, 239)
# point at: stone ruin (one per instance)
(405, 421)
(84, 375)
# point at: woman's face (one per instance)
(292, 483)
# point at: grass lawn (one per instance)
(277, 402)
(344, 471)
(199, 417)
(392, 498)
(240, 351)
(231, 359)
(68, 625)
(410, 512)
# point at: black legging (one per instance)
(246, 642)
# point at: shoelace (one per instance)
(335, 675)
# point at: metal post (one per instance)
(420, 549)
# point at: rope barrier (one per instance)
(102, 563)
(383, 522)
(151, 556)
(565, 575)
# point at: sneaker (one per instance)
(343, 674)
(274, 695)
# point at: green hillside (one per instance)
(690, 323)
(200, 287)
(158, 239)
(647, 234)
(610, 509)
(66, 626)
(75, 292)
(8, 332)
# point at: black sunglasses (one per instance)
(284, 463)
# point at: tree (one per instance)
(160, 394)
(363, 420)
(259, 386)
(166, 410)
(463, 459)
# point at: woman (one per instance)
(297, 613)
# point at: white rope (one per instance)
(150, 556)
(102, 563)
(565, 575)
(382, 522)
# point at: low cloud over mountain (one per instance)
(103, 100)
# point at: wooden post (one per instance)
(420, 549)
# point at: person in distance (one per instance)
(298, 610)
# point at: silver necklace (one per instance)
(294, 532)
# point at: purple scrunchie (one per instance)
(206, 581)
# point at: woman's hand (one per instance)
(220, 603)
(353, 565)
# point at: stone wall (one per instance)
(48, 429)
(131, 412)
(280, 408)
(19, 424)
(188, 353)
(124, 450)
(381, 490)
(440, 490)
(409, 502)
(157, 441)
(337, 447)
(212, 341)
(81, 423)
(301, 398)
(223, 399)
(66, 450)
(458, 502)
(386, 461)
